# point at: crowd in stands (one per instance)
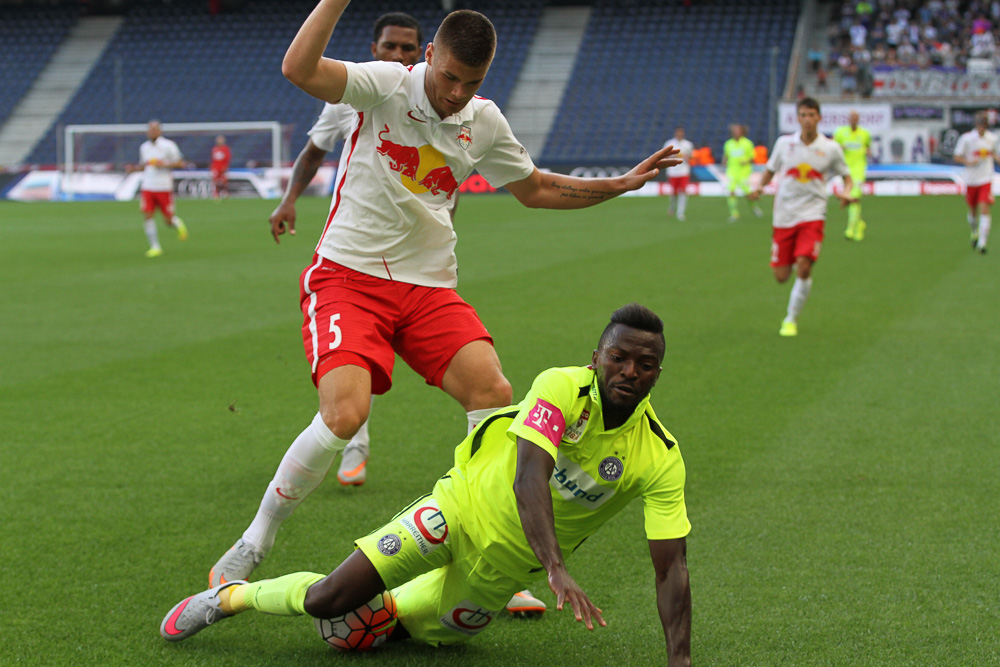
(905, 33)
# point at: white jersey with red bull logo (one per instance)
(981, 150)
(686, 148)
(155, 154)
(335, 123)
(803, 170)
(400, 171)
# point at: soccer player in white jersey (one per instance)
(977, 149)
(679, 175)
(528, 486)
(158, 157)
(803, 160)
(384, 275)
(397, 39)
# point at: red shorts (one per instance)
(353, 319)
(679, 183)
(802, 240)
(979, 194)
(150, 201)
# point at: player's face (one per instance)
(450, 84)
(853, 119)
(627, 367)
(679, 133)
(808, 120)
(397, 44)
(153, 131)
(735, 131)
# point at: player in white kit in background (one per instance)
(804, 159)
(977, 150)
(679, 176)
(158, 156)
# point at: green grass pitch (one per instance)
(842, 486)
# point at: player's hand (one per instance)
(845, 200)
(281, 219)
(567, 590)
(754, 195)
(647, 170)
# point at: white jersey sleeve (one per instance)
(507, 160)
(371, 84)
(774, 161)
(335, 123)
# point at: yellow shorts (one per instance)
(445, 591)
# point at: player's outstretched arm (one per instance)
(305, 167)
(546, 190)
(304, 64)
(534, 505)
(673, 597)
(754, 195)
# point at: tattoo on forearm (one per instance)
(574, 192)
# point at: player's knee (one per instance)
(322, 600)
(344, 418)
(495, 393)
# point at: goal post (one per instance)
(259, 143)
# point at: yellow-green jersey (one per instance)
(597, 471)
(739, 157)
(855, 144)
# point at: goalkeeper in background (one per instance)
(856, 142)
(737, 155)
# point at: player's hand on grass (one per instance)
(567, 590)
(281, 219)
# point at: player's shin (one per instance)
(797, 299)
(985, 223)
(284, 596)
(303, 467)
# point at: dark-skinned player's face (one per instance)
(397, 44)
(627, 366)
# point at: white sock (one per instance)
(149, 226)
(476, 416)
(985, 222)
(972, 221)
(301, 470)
(800, 292)
(174, 220)
(682, 202)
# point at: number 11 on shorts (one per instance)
(335, 330)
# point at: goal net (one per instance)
(111, 147)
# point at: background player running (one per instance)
(737, 156)
(158, 157)
(803, 160)
(529, 485)
(856, 143)
(977, 149)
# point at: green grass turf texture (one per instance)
(842, 485)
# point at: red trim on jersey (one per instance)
(336, 200)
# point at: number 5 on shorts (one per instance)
(335, 330)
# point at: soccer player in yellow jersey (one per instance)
(529, 485)
(737, 156)
(856, 142)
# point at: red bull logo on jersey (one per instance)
(465, 137)
(427, 525)
(983, 153)
(803, 173)
(420, 169)
(467, 617)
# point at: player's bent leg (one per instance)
(345, 399)
(475, 378)
(352, 584)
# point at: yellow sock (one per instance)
(231, 599)
(284, 596)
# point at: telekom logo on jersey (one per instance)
(421, 169)
(548, 420)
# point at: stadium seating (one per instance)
(28, 38)
(644, 68)
(180, 64)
